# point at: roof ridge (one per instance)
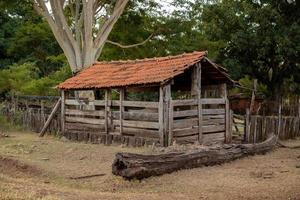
(153, 58)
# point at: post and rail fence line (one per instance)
(32, 112)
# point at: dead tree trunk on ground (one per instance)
(139, 166)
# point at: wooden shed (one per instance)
(180, 99)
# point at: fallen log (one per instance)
(138, 166)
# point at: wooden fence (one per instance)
(141, 120)
(185, 125)
(31, 112)
(256, 128)
(127, 118)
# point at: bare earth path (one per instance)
(40, 168)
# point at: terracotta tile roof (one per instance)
(132, 72)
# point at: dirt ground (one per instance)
(42, 168)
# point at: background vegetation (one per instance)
(251, 38)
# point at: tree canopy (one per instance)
(252, 39)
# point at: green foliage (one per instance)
(24, 80)
(247, 85)
(262, 39)
(252, 39)
(14, 78)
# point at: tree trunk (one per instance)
(138, 166)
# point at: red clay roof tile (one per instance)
(132, 72)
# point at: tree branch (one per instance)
(131, 45)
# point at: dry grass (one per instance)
(50, 163)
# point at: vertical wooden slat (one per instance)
(171, 119)
(279, 120)
(167, 97)
(63, 99)
(227, 116)
(247, 125)
(106, 114)
(161, 115)
(121, 110)
(43, 118)
(230, 125)
(255, 129)
(200, 134)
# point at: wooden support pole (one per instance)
(247, 125)
(161, 115)
(252, 103)
(107, 110)
(171, 119)
(63, 99)
(255, 129)
(228, 125)
(121, 109)
(43, 119)
(167, 97)
(200, 134)
(279, 118)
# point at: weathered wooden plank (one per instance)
(85, 120)
(53, 112)
(171, 119)
(167, 97)
(137, 104)
(96, 113)
(185, 123)
(208, 117)
(207, 138)
(121, 109)
(190, 113)
(213, 122)
(185, 132)
(161, 115)
(107, 110)
(185, 102)
(200, 109)
(62, 111)
(137, 124)
(132, 115)
(192, 122)
(227, 117)
(207, 101)
(82, 126)
(213, 128)
(140, 132)
(74, 102)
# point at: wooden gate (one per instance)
(207, 122)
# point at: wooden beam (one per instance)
(161, 115)
(171, 119)
(62, 110)
(167, 98)
(227, 116)
(107, 110)
(121, 109)
(200, 123)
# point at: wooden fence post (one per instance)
(121, 109)
(171, 119)
(230, 125)
(161, 115)
(63, 111)
(167, 97)
(255, 129)
(279, 119)
(247, 126)
(107, 110)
